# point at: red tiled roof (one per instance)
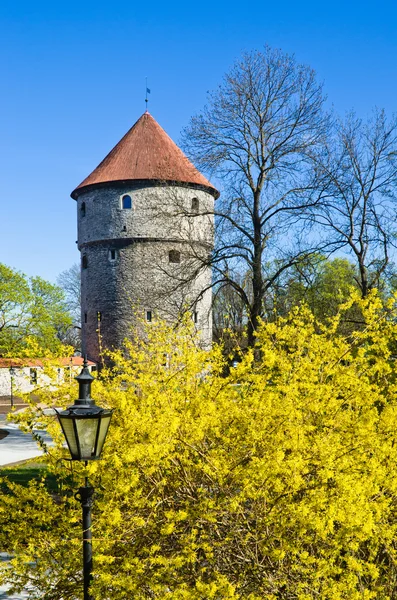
(66, 361)
(146, 152)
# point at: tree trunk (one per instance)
(363, 281)
(257, 280)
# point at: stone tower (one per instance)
(145, 230)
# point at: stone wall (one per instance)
(127, 271)
(158, 211)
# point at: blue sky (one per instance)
(73, 82)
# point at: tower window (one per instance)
(82, 209)
(149, 316)
(84, 262)
(195, 316)
(112, 254)
(126, 201)
(174, 256)
(195, 205)
(85, 318)
(33, 376)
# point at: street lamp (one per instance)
(12, 373)
(85, 426)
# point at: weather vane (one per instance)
(147, 92)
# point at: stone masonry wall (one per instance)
(126, 255)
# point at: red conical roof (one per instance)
(146, 152)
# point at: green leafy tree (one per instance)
(33, 315)
(324, 285)
(321, 283)
(277, 481)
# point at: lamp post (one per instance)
(12, 373)
(85, 426)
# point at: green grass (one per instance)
(26, 471)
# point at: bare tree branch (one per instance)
(256, 134)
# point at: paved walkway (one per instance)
(17, 446)
(3, 589)
(5, 596)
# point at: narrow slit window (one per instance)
(112, 254)
(33, 376)
(195, 205)
(126, 201)
(85, 318)
(149, 316)
(195, 316)
(82, 209)
(174, 256)
(84, 262)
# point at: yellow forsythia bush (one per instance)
(277, 481)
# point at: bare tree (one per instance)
(69, 282)
(229, 317)
(357, 213)
(255, 134)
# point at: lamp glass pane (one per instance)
(68, 430)
(86, 431)
(103, 429)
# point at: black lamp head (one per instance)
(85, 425)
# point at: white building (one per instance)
(23, 375)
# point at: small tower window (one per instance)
(113, 255)
(174, 256)
(85, 318)
(82, 209)
(33, 376)
(126, 201)
(149, 316)
(84, 262)
(195, 205)
(195, 316)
